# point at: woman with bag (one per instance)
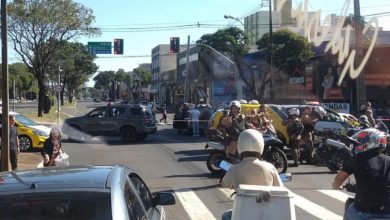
(51, 148)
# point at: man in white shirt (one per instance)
(194, 116)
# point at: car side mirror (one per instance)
(163, 198)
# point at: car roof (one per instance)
(58, 178)
(10, 113)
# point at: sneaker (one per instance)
(193, 135)
(197, 135)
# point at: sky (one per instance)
(144, 24)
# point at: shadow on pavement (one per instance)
(312, 173)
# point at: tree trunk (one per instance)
(41, 97)
(62, 97)
(70, 95)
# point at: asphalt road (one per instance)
(168, 161)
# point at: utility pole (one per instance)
(58, 95)
(187, 70)
(272, 92)
(360, 83)
(5, 165)
(14, 91)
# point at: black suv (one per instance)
(132, 122)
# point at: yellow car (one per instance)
(31, 135)
(277, 120)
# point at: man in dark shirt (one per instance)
(371, 169)
(13, 142)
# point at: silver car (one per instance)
(84, 192)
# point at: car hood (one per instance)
(42, 128)
(73, 119)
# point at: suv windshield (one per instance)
(61, 205)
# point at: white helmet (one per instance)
(243, 101)
(294, 111)
(254, 102)
(235, 104)
(320, 111)
(250, 140)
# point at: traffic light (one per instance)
(175, 45)
(118, 46)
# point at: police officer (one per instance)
(371, 169)
(233, 123)
(307, 137)
(251, 169)
(294, 129)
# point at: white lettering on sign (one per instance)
(338, 44)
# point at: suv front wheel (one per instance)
(128, 134)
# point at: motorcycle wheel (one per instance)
(278, 158)
(214, 160)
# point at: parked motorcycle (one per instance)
(331, 149)
(272, 153)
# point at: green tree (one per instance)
(76, 66)
(23, 79)
(103, 81)
(289, 50)
(37, 29)
(145, 76)
(232, 42)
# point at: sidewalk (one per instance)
(28, 160)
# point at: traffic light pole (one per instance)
(360, 83)
(187, 70)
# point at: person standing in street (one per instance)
(194, 116)
(307, 137)
(294, 129)
(164, 112)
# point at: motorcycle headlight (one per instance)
(40, 133)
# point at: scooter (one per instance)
(261, 202)
(272, 153)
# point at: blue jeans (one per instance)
(227, 215)
(353, 214)
(195, 127)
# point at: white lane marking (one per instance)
(67, 114)
(336, 194)
(314, 209)
(193, 205)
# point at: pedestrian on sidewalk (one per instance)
(194, 116)
(13, 142)
(164, 112)
(51, 148)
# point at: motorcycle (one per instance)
(272, 153)
(331, 149)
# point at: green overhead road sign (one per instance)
(99, 47)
